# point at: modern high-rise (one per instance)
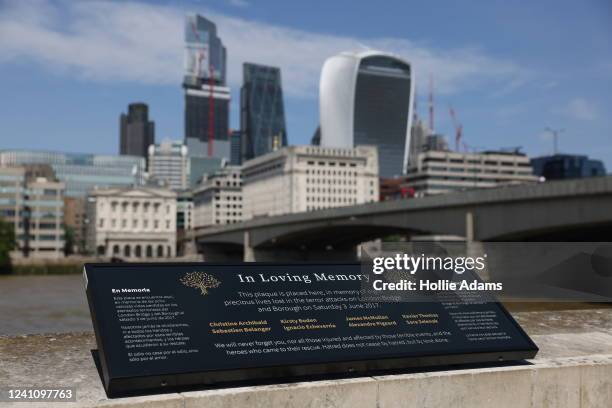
(567, 166)
(236, 148)
(81, 172)
(169, 164)
(207, 97)
(136, 131)
(262, 112)
(366, 98)
(34, 206)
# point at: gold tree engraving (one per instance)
(200, 280)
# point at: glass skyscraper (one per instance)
(262, 113)
(136, 131)
(236, 147)
(366, 98)
(567, 166)
(206, 95)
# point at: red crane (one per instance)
(458, 129)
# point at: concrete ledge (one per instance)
(580, 381)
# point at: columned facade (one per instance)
(137, 223)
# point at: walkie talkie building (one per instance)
(366, 98)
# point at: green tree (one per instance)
(7, 244)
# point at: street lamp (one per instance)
(555, 133)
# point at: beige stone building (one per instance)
(132, 223)
(218, 200)
(74, 218)
(307, 178)
(440, 172)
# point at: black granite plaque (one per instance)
(170, 326)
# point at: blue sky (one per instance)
(68, 69)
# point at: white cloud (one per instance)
(581, 109)
(130, 41)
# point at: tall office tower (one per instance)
(366, 98)
(236, 148)
(169, 164)
(136, 131)
(262, 113)
(207, 97)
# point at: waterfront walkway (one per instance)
(573, 369)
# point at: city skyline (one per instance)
(507, 84)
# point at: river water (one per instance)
(58, 304)
(43, 304)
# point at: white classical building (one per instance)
(307, 178)
(218, 200)
(132, 223)
(366, 98)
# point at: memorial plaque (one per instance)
(170, 326)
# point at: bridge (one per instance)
(569, 210)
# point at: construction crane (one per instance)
(458, 128)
